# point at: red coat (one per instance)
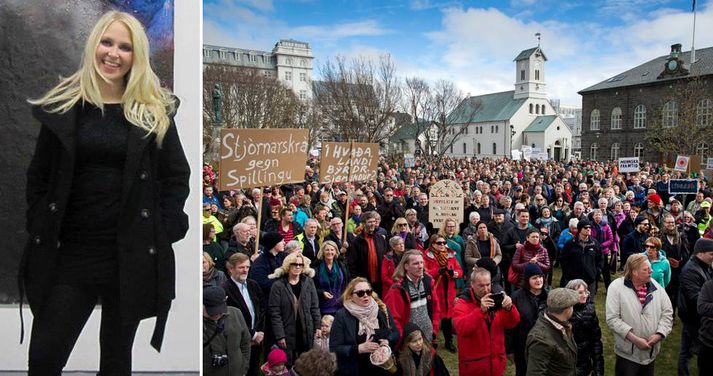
(522, 257)
(398, 302)
(388, 267)
(444, 286)
(481, 336)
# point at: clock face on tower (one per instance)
(672, 65)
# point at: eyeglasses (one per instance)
(646, 224)
(296, 265)
(440, 243)
(361, 293)
(650, 246)
(403, 224)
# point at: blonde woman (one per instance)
(293, 306)
(106, 148)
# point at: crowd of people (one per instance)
(356, 276)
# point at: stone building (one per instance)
(617, 111)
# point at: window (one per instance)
(303, 77)
(478, 147)
(465, 148)
(288, 76)
(702, 150)
(616, 118)
(303, 94)
(522, 75)
(495, 148)
(531, 107)
(543, 109)
(537, 74)
(492, 129)
(206, 52)
(466, 129)
(670, 114)
(497, 129)
(640, 117)
(451, 148)
(703, 113)
(593, 151)
(537, 109)
(615, 151)
(639, 150)
(594, 121)
(253, 58)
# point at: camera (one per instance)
(220, 360)
(498, 299)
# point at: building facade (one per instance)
(290, 62)
(572, 116)
(617, 112)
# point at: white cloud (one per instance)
(264, 5)
(339, 31)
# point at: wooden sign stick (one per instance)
(349, 195)
(259, 217)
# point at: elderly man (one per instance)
(226, 338)
(550, 347)
(242, 241)
(640, 314)
(481, 319)
(390, 210)
(694, 274)
(336, 234)
(367, 251)
(310, 241)
(422, 208)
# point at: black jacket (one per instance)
(236, 299)
(507, 239)
(530, 308)
(705, 310)
(580, 260)
(693, 275)
(390, 212)
(151, 220)
(358, 259)
(283, 317)
(588, 336)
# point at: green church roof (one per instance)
(489, 107)
(540, 123)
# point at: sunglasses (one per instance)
(403, 224)
(361, 293)
(440, 243)
(296, 265)
(649, 246)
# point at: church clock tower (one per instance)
(530, 74)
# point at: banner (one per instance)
(348, 161)
(409, 161)
(676, 186)
(681, 163)
(261, 157)
(629, 164)
(445, 201)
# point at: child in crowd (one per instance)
(276, 361)
(417, 356)
(322, 341)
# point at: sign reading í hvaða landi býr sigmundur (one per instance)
(348, 161)
(261, 157)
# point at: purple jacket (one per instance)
(603, 233)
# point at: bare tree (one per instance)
(441, 110)
(357, 98)
(682, 122)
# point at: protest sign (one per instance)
(629, 164)
(677, 186)
(409, 161)
(348, 161)
(709, 164)
(261, 157)
(445, 202)
(681, 163)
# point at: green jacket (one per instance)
(233, 341)
(549, 352)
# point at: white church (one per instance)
(499, 123)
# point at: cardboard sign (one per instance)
(629, 164)
(445, 202)
(260, 157)
(681, 163)
(409, 161)
(348, 161)
(676, 186)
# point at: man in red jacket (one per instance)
(480, 319)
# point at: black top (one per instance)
(90, 224)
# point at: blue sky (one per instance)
(471, 43)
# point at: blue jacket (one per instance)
(565, 236)
(264, 265)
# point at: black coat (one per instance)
(530, 307)
(506, 236)
(358, 259)
(343, 342)
(693, 275)
(580, 260)
(235, 299)
(283, 317)
(588, 336)
(151, 220)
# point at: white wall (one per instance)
(181, 346)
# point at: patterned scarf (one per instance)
(367, 316)
(441, 256)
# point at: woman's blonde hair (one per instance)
(633, 263)
(146, 104)
(351, 286)
(327, 243)
(209, 259)
(292, 258)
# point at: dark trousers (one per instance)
(606, 274)
(625, 367)
(689, 347)
(504, 267)
(254, 368)
(59, 322)
(705, 365)
(447, 327)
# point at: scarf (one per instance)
(356, 219)
(332, 279)
(546, 221)
(209, 275)
(566, 324)
(441, 256)
(672, 233)
(532, 248)
(372, 261)
(408, 358)
(367, 316)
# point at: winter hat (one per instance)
(705, 204)
(488, 264)
(410, 328)
(583, 223)
(276, 357)
(639, 219)
(561, 298)
(655, 198)
(214, 300)
(532, 270)
(270, 239)
(703, 245)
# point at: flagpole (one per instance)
(693, 42)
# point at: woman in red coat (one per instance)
(442, 264)
(530, 252)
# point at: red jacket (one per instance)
(444, 286)
(522, 257)
(388, 267)
(481, 336)
(398, 302)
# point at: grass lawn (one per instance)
(666, 361)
